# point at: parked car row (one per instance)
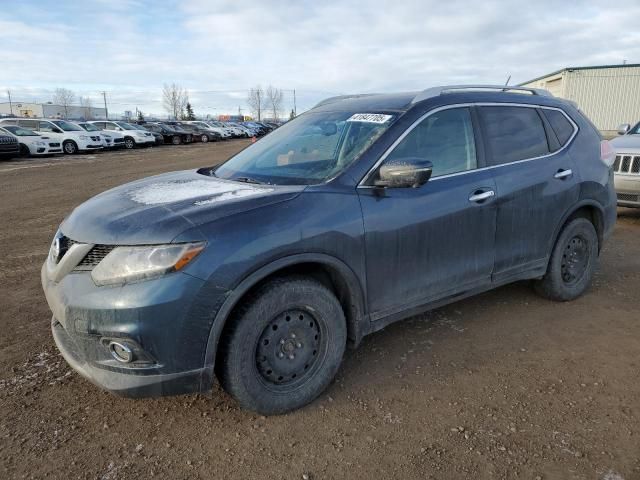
(36, 137)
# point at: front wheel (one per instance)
(129, 143)
(70, 147)
(176, 140)
(572, 263)
(204, 138)
(284, 345)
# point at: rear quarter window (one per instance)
(513, 133)
(560, 124)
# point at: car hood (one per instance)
(626, 141)
(158, 209)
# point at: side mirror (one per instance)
(407, 172)
(57, 130)
(119, 129)
(624, 129)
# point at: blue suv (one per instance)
(363, 211)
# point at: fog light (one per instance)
(120, 352)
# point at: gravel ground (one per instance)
(502, 385)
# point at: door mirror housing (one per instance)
(624, 129)
(56, 130)
(406, 172)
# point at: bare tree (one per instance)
(87, 105)
(175, 99)
(64, 98)
(256, 101)
(274, 100)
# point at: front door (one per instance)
(437, 240)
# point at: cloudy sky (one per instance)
(219, 49)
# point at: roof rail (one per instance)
(436, 91)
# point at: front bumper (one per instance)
(166, 322)
(627, 190)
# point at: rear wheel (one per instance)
(70, 147)
(176, 140)
(572, 263)
(129, 143)
(284, 345)
(204, 138)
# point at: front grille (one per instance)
(5, 139)
(54, 144)
(627, 164)
(95, 139)
(118, 140)
(95, 255)
(628, 197)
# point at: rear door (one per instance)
(436, 240)
(536, 182)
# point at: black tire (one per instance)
(70, 147)
(283, 346)
(176, 140)
(572, 264)
(24, 150)
(129, 143)
(204, 138)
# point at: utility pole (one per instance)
(106, 112)
(10, 104)
(259, 104)
(295, 111)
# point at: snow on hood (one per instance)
(181, 190)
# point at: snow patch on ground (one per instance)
(176, 191)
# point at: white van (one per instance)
(73, 138)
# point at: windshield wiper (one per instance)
(248, 180)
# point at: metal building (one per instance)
(50, 110)
(608, 94)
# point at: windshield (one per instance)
(89, 127)
(125, 125)
(308, 150)
(635, 130)
(20, 132)
(68, 127)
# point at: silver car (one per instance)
(626, 168)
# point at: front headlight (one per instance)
(83, 137)
(40, 144)
(130, 264)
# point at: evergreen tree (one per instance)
(140, 116)
(189, 115)
(292, 115)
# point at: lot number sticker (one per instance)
(370, 117)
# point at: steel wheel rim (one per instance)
(204, 139)
(575, 259)
(175, 140)
(289, 349)
(69, 147)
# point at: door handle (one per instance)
(562, 174)
(480, 197)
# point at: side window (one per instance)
(561, 126)
(110, 126)
(45, 127)
(99, 125)
(513, 133)
(444, 138)
(30, 124)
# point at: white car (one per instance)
(73, 138)
(110, 139)
(32, 143)
(225, 132)
(133, 137)
(626, 167)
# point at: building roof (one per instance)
(570, 69)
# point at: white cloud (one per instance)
(219, 49)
